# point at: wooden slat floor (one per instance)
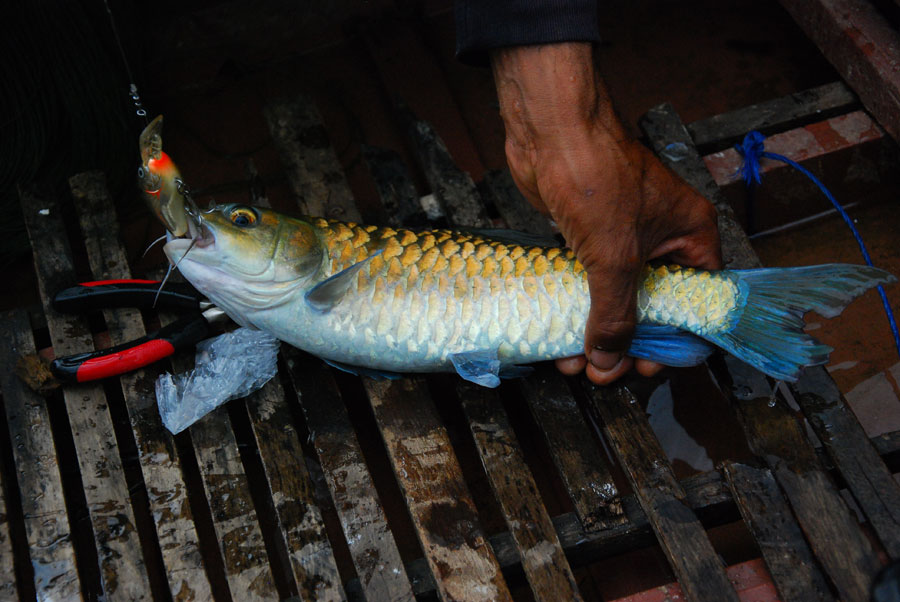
(283, 494)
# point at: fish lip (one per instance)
(200, 234)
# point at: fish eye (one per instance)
(243, 217)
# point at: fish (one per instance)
(383, 301)
(160, 180)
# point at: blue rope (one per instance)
(752, 149)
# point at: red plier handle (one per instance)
(183, 333)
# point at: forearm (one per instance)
(551, 92)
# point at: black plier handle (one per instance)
(185, 332)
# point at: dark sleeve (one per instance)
(482, 25)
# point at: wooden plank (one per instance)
(160, 465)
(862, 45)
(585, 471)
(451, 186)
(768, 517)
(774, 434)
(299, 518)
(692, 557)
(542, 556)
(7, 565)
(787, 112)
(802, 144)
(315, 175)
(516, 211)
(440, 505)
(122, 569)
(399, 199)
(371, 542)
(40, 485)
(859, 463)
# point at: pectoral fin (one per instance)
(484, 368)
(360, 371)
(328, 293)
(668, 345)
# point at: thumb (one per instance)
(611, 319)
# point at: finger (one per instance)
(570, 366)
(647, 368)
(605, 377)
(611, 318)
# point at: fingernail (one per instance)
(605, 360)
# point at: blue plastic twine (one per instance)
(752, 149)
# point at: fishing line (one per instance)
(132, 87)
(752, 149)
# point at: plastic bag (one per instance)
(227, 367)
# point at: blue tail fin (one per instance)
(769, 333)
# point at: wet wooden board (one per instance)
(775, 435)
(874, 487)
(441, 508)
(160, 465)
(7, 568)
(498, 188)
(862, 45)
(122, 569)
(452, 187)
(399, 199)
(542, 556)
(314, 173)
(586, 472)
(299, 518)
(50, 547)
(375, 555)
(815, 104)
(699, 570)
(768, 517)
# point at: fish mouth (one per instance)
(198, 236)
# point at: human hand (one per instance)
(615, 204)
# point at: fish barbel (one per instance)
(386, 300)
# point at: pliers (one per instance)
(183, 333)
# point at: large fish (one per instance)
(379, 301)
